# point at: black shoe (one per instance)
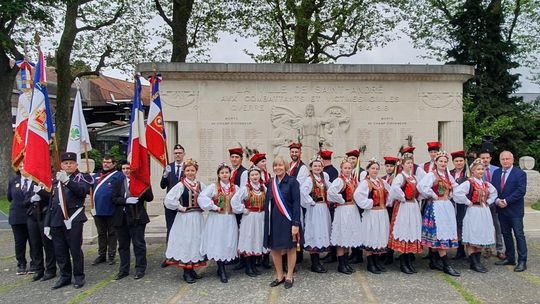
(240, 265)
(447, 268)
(21, 270)
(505, 262)
(410, 264)
(460, 253)
(112, 261)
(61, 283)
(371, 265)
(289, 284)
(31, 271)
(254, 267)
(377, 263)
(316, 265)
(164, 264)
(78, 285)
(48, 276)
(195, 275)
(100, 259)
(435, 262)
(37, 276)
(521, 266)
(277, 282)
(341, 265)
(249, 267)
(476, 264)
(139, 275)
(348, 266)
(188, 276)
(222, 274)
(403, 265)
(121, 275)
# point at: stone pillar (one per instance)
(526, 163)
(451, 135)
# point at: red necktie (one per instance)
(502, 180)
(488, 175)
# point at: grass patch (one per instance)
(4, 205)
(536, 206)
(467, 296)
(83, 295)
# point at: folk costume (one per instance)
(220, 237)
(249, 201)
(184, 245)
(318, 222)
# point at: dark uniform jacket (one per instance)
(75, 192)
(15, 196)
(171, 180)
(128, 213)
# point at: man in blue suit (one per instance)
(172, 174)
(486, 156)
(511, 185)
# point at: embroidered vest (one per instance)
(478, 194)
(442, 186)
(348, 190)
(222, 199)
(255, 202)
(409, 187)
(189, 197)
(377, 194)
(318, 191)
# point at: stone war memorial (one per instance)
(211, 107)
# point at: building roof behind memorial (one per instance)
(310, 71)
(102, 90)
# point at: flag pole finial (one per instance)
(37, 39)
(77, 83)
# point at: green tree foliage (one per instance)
(314, 31)
(488, 36)
(12, 12)
(191, 26)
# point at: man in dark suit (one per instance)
(67, 234)
(130, 219)
(18, 187)
(511, 185)
(172, 174)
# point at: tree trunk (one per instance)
(63, 71)
(7, 78)
(303, 16)
(181, 14)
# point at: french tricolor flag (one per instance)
(37, 160)
(137, 149)
(23, 110)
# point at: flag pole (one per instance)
(92, 203)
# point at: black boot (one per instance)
(188, 277)
(316, 263)
(356, 256)
(248, 266)
(341, 265)
(266, 261)
(241, 264)
(194, 274)
(377, 263)
(476, 263)
(389, 257)
(348, 265)
(254, 265)
(460, 253)
(299, 256)
(447, 268)
(331, 256)
(222, 274)
(435, 261)
(371, 265)
(403, 265)
(410, 263)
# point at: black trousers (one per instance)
(68, 248)
(515, 225)
(461, 209)
(40, 242)
(170, 215)
(131, 234)
(106, 236)
(20, 235)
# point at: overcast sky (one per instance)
(400, 51)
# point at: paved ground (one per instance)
(500, 285)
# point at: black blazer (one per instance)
(15, 196)
(131, 214)
(37, 210)
(171, 180)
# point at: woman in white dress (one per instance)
(318, 223)
(372, 195)
(406, 224)
(346, 231)
(220, 237)
(184, 245)
(478, 229)
(249, 201)
(439, 227)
